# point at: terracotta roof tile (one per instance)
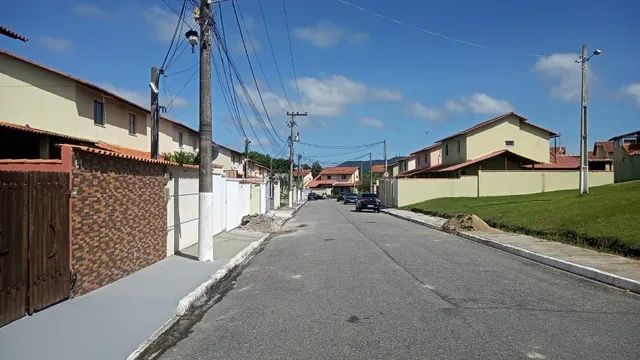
(608, 145)
(339, 170)
(27, 128)
(301, 172)
(377, 169)
(632, 149)
(430, 147)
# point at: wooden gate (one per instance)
(34, 242)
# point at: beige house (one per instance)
(506, 142)
(406, 164)
(626, 156)
(340, 178)
(47, 99)
(303, 177)
(425, 158)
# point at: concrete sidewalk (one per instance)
(111, 322)
(607, 268)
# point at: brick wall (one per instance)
(118, 218)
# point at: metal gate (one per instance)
(34, 242)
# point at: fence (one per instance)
(402, 192)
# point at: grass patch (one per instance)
(607, 219)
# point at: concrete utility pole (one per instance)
(291, 124)
(385, 159)
(584, 154)
(370, 174)
(155, 110)
(246, 157)
(299, 182)
(205, 223)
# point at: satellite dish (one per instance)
(215, 152)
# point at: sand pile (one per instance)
(468, 222)
(261, 223)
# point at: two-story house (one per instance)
(506, 142)
(338, 179)
(626, 156)
(43, 98)
(302, 177)
(425, 158)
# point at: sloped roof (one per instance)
(12, 34)
(339, 170)
(631, 134)
(632, 149)
(28, 129)
(301, 172)
(496, 119)
(560, 162)
(318, 182)
(454, 167)
(430, 147)
(607, 145)
(124, 156)
(377, 169)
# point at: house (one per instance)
(337, 179)
(428, 157)
(302, 177)
(505, 142)
(626, 156)
(256, 170)
(394, 169)
(39, 97)
(406, 164)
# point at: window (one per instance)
(446, 149)
(458, 146)
(98, 112)
(418, 160)
(180, 140)
(132, 124)
(509, 142)
(344, 177)
(328, 177)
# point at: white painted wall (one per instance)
(182, 209)
(264, 198)
(219, 203)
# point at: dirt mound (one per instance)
(261, 223)
(467, 222)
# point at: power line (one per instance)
(293, 65)
(421, 29)
(253, 75)
(273, 54)
(343, 147)
(169, 106)
(175, 32)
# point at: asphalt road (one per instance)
(348, 285)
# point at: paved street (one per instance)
(348, 285)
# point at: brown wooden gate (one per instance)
(34, 242)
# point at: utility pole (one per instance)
(246, 157)
(155, 109)
(205, 223)
(291, 124)
(370, 174)
(584, 155)
(299, 182)
(385, 159)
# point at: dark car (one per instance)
(313, 196)
(350, 198)
(368, 201)
(341, 196)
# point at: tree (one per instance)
(280, 165)
(183, 157)
(365, 184)
(316, 168)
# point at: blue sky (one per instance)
(364, 78)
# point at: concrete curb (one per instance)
(584, 271)
(197, 295)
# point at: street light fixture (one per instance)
(584, 161)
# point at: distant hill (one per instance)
(365, 163)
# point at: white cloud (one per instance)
(164, 22)
(372, 122)
(89, 10)
(632, 91)
(419, 110)
(55, 44)
(330, 96)
(477, 103)
(563, 69)
(327, 34)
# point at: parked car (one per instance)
(368, 201)
(341, 196)
(350, 198)
(313, 196)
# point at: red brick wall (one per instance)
(119, 218)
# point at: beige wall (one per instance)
(168, 140)
(497, 183)
(411, 191)
(488, 183)
(255, 199)
(450, 152)
(435, 157)
(530, 141)
(230, 160)
(407, 165)
(625, 167)
(348, 178)
(304, 179)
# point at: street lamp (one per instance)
(584, 155)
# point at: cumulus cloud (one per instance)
(632, 91)
(164, 22)
(89, 10)
(562, 69)
(371, 122)
(476, 103)
(330, 96)
(327, 34)
(55, 44)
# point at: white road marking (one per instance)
(535, 355)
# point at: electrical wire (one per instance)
(293, 65)
(175, 32)
(343, 147)
(170, 105)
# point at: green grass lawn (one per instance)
(608, 218)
